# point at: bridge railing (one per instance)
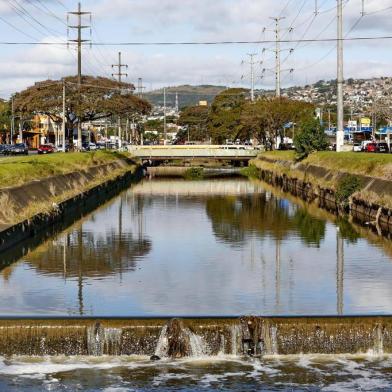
(194, 151)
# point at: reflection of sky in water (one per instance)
(211, 248)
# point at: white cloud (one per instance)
(201, 20)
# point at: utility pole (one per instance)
(177, 104)
(252, 75)
(119, 67)
(79, 41)
(12, 120)
(340, 80)
(63, 124)
(277, 54)
(140, 87)
(164, 116)
(119, 74)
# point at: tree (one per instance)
(311, 138)
(265, 119)
(225, 115)
(5, 115)
(100, 98)
(194, 119)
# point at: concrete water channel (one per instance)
(94, 301)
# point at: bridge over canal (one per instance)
(216, 152)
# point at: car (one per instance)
(60, 147)
(17, 149)
(364, 144)
(371, 147)
(4, 148)
(46, 149)
(357, 147)
(382, 147)
(85, 146)
(92, 146)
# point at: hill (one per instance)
(187, 95)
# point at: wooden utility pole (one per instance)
(79, 41)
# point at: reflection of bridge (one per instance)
(163, 153)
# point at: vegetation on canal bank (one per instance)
(355, 165)
(374, 165)
(20, 170)
(194, 173)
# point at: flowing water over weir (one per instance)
(178, 338)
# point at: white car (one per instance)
(357, 147)
(92, 146)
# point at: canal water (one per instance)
(196, 248)
(220, 247)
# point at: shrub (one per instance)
(194, 173)
(251, 172)
(346, 187)
(310, 138)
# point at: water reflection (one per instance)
(222, 247)
(234, 218)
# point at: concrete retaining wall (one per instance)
(66, 212)
(363, 211)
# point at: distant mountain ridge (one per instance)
(188, 95)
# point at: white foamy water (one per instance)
(112, 374)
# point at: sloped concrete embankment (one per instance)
(316, 183)
(59, 200)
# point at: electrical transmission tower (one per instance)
(79, 41)
(119, 75)
(140, 87)
(252, 63)
(277, 54)
(277, 51)
(119, 67)
(340, 79)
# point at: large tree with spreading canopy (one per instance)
(99, 98)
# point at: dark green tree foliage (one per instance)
(310, 138)
(225, 115)
(5, 115)
(265, 118)
(194, 119)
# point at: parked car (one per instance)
(382, 147)
(357, 147)
(92, 146)
(46, 149)
(85, 146)
(3, 149)
(60, 147)
(371, 147)
(364, 144)
(17, 149)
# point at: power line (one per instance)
(201, 43)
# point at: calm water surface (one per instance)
(222, 247)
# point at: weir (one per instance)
(197, 337)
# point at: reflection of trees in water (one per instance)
(233, 218)
(90, 255)
(310, 229)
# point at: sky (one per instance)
(120, 21)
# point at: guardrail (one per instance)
(194, 151)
